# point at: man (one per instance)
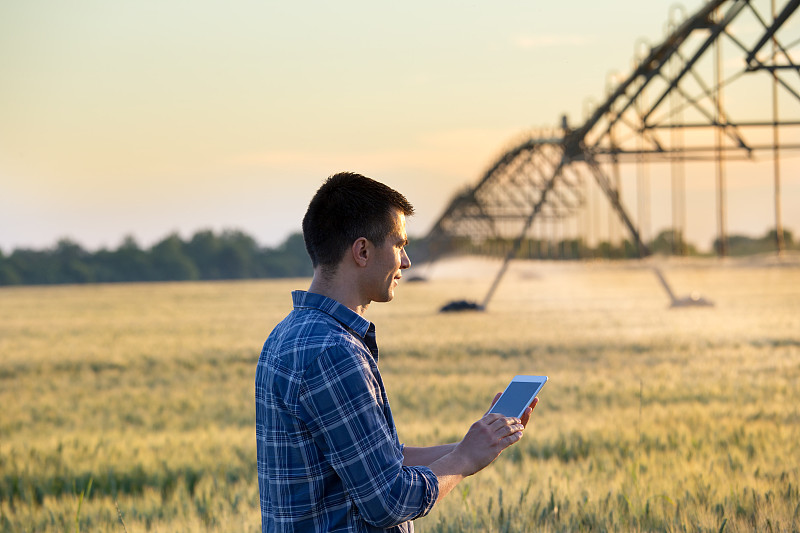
(329, 458)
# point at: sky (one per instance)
(144, 117)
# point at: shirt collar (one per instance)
(349, 318)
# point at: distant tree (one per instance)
(131, 263)
(169, 261)
(295, 246)
(203, 249)
(102, 263)
(34, 267)
(232, 255)
(289, 260)
(630, 249)
(127, 263)
(237, 257)
(8, 276)
(772, 237)
(670, 241)
(71, 261)
(739, 245)
(417, 249)
(570, 248)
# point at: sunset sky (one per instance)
(149, 117)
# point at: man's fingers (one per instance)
(507, 441)
(526, 416)
(496, 420)
(515, 428)
(492, 418)
(496, 397)
(504, 426)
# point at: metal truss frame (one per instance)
(544, 175)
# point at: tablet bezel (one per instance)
(522, 379)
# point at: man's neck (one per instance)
(341, 289)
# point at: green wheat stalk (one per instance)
(85, 492)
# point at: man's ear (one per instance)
(360, 250)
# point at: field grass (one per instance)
(654, 419)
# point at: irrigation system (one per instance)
(723, 85)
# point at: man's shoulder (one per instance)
(305, 334)
(306, 341)
(308, 323)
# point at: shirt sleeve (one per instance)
(347, 420)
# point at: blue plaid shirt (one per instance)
(329, 458)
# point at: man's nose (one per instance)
(405, 261)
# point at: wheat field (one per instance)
(130, 407)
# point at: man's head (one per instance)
(346, 207)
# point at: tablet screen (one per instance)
(517, 396)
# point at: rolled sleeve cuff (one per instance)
(431, 483)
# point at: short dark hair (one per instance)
(346, 207)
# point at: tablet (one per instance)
(518, 395)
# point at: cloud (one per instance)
(549, 40)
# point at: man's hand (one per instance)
(485, 440)
(481, 445)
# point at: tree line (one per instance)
(667, 242)
(204, 256)
(235, 255)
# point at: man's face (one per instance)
(389, 260)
